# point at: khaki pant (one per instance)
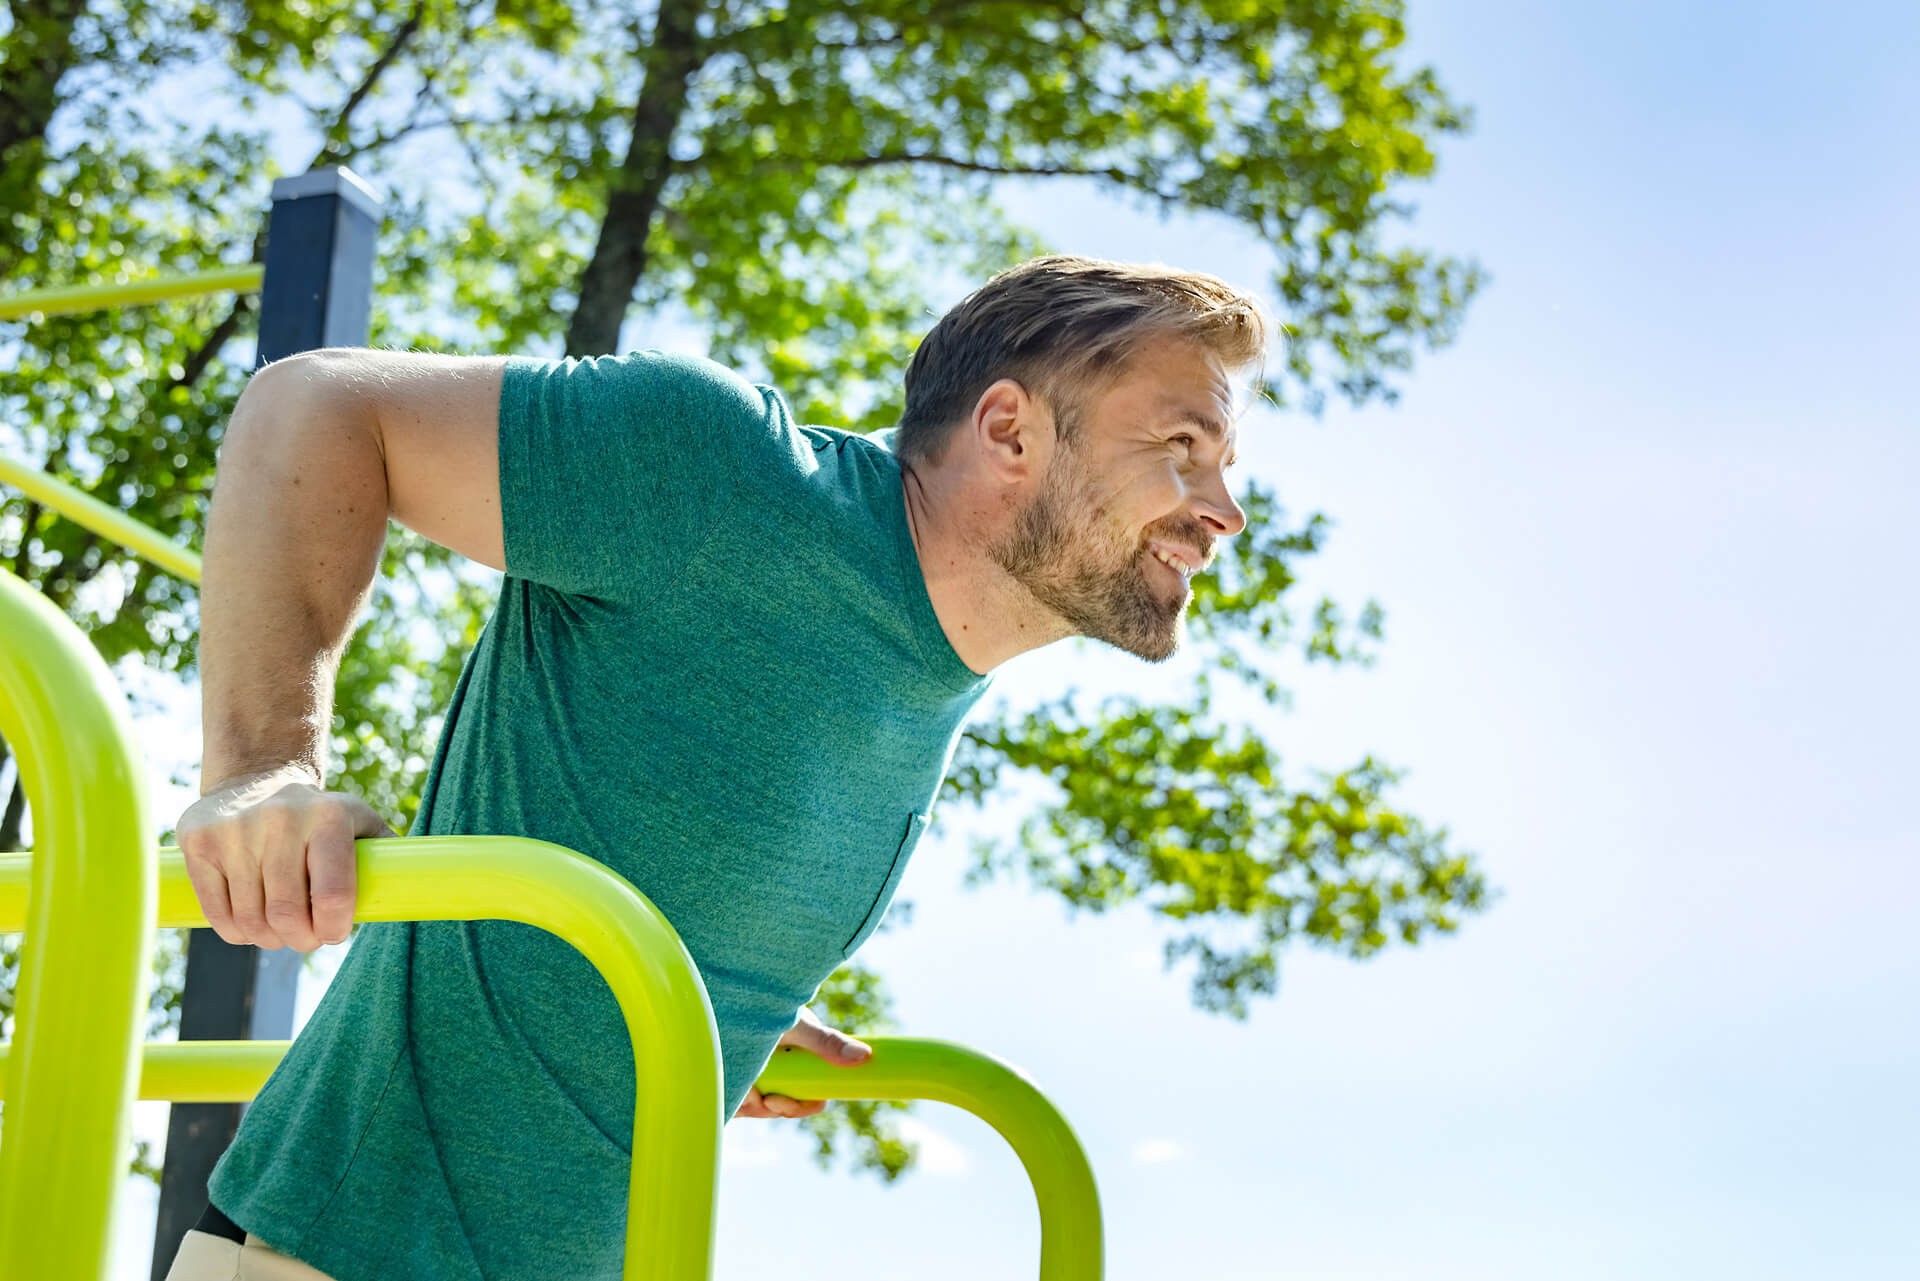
(206, 1257)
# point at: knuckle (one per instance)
(333, 877)
(200, 846)
(213, 905)
(274, 815)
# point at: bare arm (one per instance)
(321, 450)
(293, 541)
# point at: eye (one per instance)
(1184, 437)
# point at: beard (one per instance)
(1066, 554)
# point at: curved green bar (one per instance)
(108, 522)
(1071, 1240)
(65, 299)
(80, 1006)
(1071, 1244)
(676, 1127)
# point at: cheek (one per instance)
(1129, 506)
(1158, 495)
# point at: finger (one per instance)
(210, 887)
(249, 899)
(829, 1043)
(332, 873)
(289, 910)
(367, 822)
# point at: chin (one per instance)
(1156, 645)
(1123, 608)
(1160, 653)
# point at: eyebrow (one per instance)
(1210, 426)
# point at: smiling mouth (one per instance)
(1168, 569)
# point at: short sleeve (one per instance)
(613, 469)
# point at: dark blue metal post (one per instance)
(318, 292)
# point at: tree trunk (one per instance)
(39, 52)
(16, 811)
(607, 284)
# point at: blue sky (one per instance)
(1643, 539)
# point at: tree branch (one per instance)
(193, 366)
(85, 573)
(478, 162)
(196, 364)
(21, 563)
(559, 115)
(741, 39)
(1119, 176)
(400, 38)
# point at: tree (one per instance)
(785, 173)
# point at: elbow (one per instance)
(298, 418)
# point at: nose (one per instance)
(1213, 503)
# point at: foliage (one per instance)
(810, 183)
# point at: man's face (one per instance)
(1141, 476)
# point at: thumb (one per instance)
(369, 823)
(831, 1044)
(849, 1050)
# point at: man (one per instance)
(731, 659)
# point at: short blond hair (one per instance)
(1064, 328)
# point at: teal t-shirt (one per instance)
(715, 668)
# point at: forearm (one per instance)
(293, 542)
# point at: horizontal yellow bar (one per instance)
(205, 1071)
(62, 300)
(102, 519)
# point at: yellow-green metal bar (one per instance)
(81, 1000)
(106, 521)
(676, 1131)
(509, 878)
(63, 300)
(1071, 1245)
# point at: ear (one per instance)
(1012, 433)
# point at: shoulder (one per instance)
(648, 382)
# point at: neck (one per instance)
(987, 615)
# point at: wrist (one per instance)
(230, 775)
